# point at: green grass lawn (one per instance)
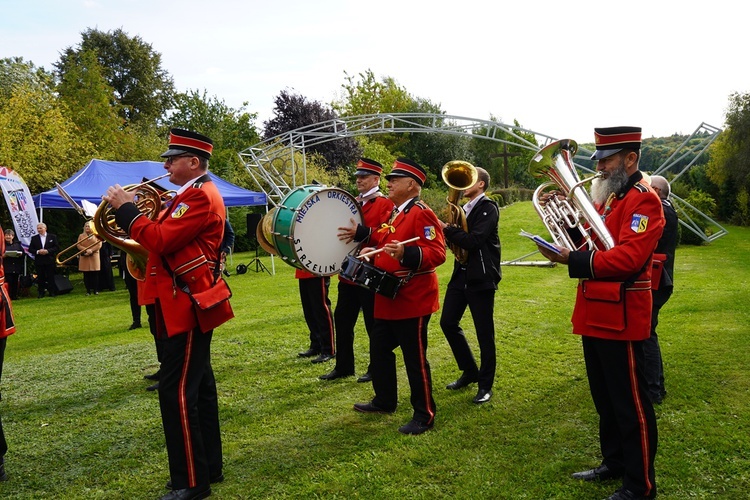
(80, 424)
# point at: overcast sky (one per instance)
(559, 68)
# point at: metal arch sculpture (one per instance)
(262, 159)
(271, 162)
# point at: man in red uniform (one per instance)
(376, 208)
(613, 313)
(316, 307)
(184, 246)
(7, 327)
(402, 321)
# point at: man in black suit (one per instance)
(43, 247)
(473, 284)
(653, 367)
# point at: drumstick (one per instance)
(365, 255)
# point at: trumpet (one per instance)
(62, 262)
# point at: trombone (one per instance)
(97, 240)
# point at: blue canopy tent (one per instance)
(92, 181)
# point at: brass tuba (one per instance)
(459, 176)
(575, 212)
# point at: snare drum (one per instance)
(368, 276)
(305, 228)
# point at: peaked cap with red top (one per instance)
(366, 166)
(404, 167)
(184, 141)
(612, 140)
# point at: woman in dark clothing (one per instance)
(12, 263)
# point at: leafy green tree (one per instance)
(292, 111)
(87, 97)
(232, 130)
(143, 91)
(729, 166)
(366, 96)
(39, 141)
(489, 155)
(15, 71)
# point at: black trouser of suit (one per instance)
(316, 306)
(132, 286)
(151, 314)
(481, 303)
(12, 280)
(653, 367)
(411, 335)
(3, 443)
(627, 423)
(91, 281)
(45, 276)
(189, 409)
(351, 299)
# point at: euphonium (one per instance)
(459, 176)
(149, 203)
(575, 212)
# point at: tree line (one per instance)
(110, 98)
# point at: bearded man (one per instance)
(613, 313)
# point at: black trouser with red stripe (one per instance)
(316, 306)
(627, 423)
(189, 409)
(411, 335)
(351, 299)
(3, 443)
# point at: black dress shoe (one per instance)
(213, 480)
(308, 353)
(188, 493)
(464, 380)
(414, 427)
(133, 326)
(154, 387)
(3, 474)
(625, 494)
(482, 396)
(370, 408)
(153, 376)
(323, 358)
(334, 374)
(601, 473)
(365, 378)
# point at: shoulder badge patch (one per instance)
(639, 223)
(179, 210)
(429, 232)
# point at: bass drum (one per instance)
(305, 228)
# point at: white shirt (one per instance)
(361, 197)
(189, 183)
(472, 203)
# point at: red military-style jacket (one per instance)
(186, 237)
(420, 295)
(375, 211)
(7, 323)
(613, 299)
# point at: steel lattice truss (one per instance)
(275, 161)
